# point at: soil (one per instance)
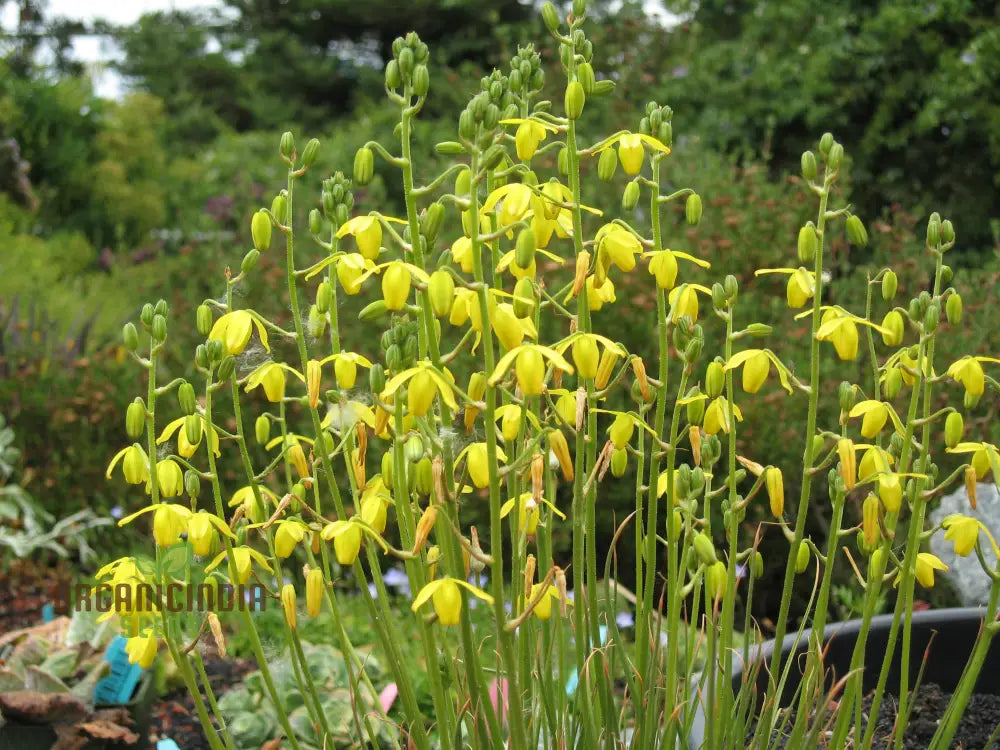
(981, 718)
(26, 587)
(982, 715)
(174, 716)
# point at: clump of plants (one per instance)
(476, 373)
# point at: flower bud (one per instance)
(214, 349)
(524, 298)
(146, 315)
(715, 380)
(159, 328)
(607, 165)
(185, 397)
(947, 232)
(954, 428)
(135, 419)
(430, 224)
(421, 80)
(889, 283)
(192, 484)
(441, 290)
(621, 430)
(774, 481)
(869, 520)
(856, 232)
(971, 480)
(314, 378)
(848, 462)
(324, 296)
(396, 285)
(559, 447)
(586, 356)
(835, 156)
(310, 152)
(574, 100)
(802, 557)
(193, 429)
(262, 429)
(893, 325)
(716, 581)
(420, 394)
(893, 383)
(825, 142)
(809, 165)
(364, 166)
(249, 261)
(315, 221)
(562, 161)
(226, 367)
(260, 230)
(279, 207)
(953, 308)
(808, 242)
(288, 604)
(201, 356)
(931, 318)
(286, 147)
(630, 198)
(524, 249)
(585, 75)
(551, 17)
(605, 368)
(695, 407)
(619, 462)
(704, 549)
(692, 209)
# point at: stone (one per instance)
(965, 574)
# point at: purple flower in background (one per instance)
(117, 512)
(625, 620)
(397, 579)
(372, 590)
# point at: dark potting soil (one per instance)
(981, 718)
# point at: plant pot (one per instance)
(954, 633)
(16, 736)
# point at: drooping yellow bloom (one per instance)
(184, 448)
(526, 139)
(135, 465)
(840, 330)
(874, 415)
(425, 381)
(347, 537)
(848, 462)
(528, 512)
(447, 599)
(684, 301)
(202, 528)
(352, 270)
(271, 375)
(631, 153)
(396, 285)
(774, 481)
(962, 531)
(245, 497)
(969, 372)
(926, 564)
(288, 534)
(234, 328)
(243, 560)
(367, 232)
(169, 521)
(717, 416)
(141, 649)
(620, 245)
(478, 465)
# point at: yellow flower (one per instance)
(631, 153)
(233, 330)
(184, 448)
(969, 372)
(289, 533)
(890, 492)
(717, 416)
(514, 199)
(245, 497)
(141, 649)
(288, 605)
(314, 591)
(347, 537)
(447, 598)
(509, 328)
(840, 330)
(135, 466)
(169, 521)
(345, 368)
(801, 284)
(528, 512)
(684, 301)
(367, 233)
(396, 285)
(352, 270)
(874, 460)
(984, 457)
(874, 415)
(426, 380)
(530, 367)
(201, 530)
(271, 375)
(243, 560)
(375, 501)
(848, 462)
(774, 481)
(925, 567)
(962, 531)
(527, 137)
(477, 463)
(543, 610)
(620, 244)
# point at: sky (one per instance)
(94, 51)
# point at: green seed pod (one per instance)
(802, 558)
(130, 337)
(695, 408)
(315, 221)
(808, 241)
(692, 209)
(316, 322)
(146, 315)
(286, 146)
(562, 161)
(374, 311)
(809, 165)
(262, 429)
(524, 250)
(574, 100)
(192, 484)
(260, 230)
(226, 367)
(715, 380)
(376, 378)
(159, 328)
(421, 80)
(954, 428)
(204, 320)
(524, 297)
(135, 419)
(324, 296)
(430, 226)
(704, 549)
(551, 17)
(193, 428)
(585, 75)
(953, 308)
(931, 318)
(364, 166)
(619, 462)
(279, 207)
(250, 260)
(607, 164)
(894, 325)
(856, 232)
(913, 311)
(186, 399)
(893, 383)
(835, 157)
(630, 198)
(449, 148)
(889, 284)
(825, 142)
(757, 565)
(310, 152)
(393, 78)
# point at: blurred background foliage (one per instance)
(105, 204)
